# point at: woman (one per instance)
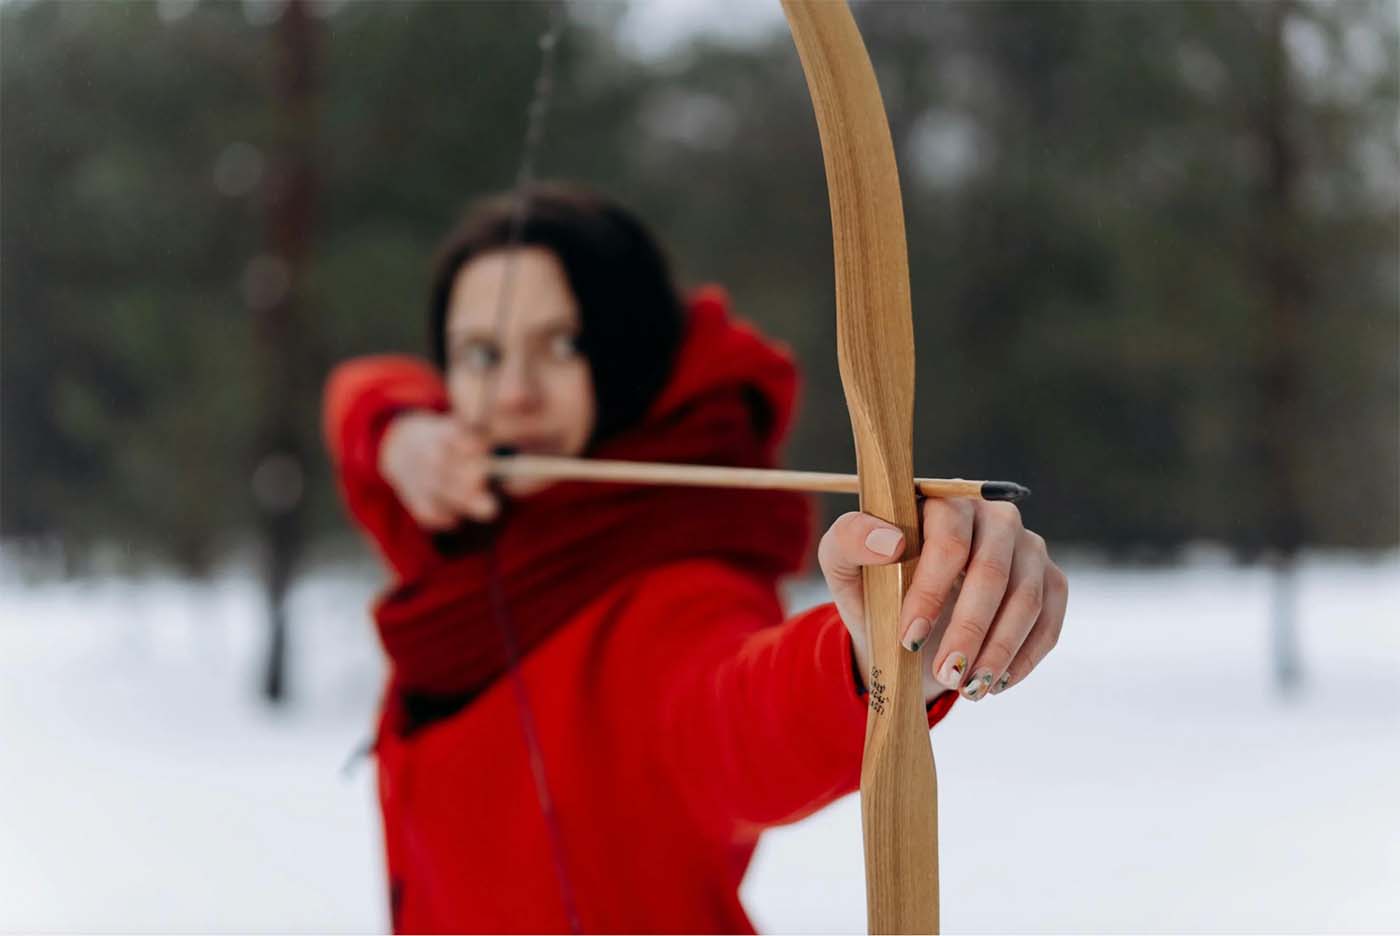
(596, 704)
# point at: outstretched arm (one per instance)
(760, 720)
(362, 398)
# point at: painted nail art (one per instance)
(917, 633)
(953, 669)
(977, 685)
(1001, 683)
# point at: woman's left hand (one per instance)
(985, 604)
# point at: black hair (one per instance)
(632, 318)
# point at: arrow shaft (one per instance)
(556, 468)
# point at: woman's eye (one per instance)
(478, 356)
(563, 346)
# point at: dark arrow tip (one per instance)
(1004, 491)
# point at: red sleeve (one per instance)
(761, 723)
(362, 396)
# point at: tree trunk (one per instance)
(272, 284)
(1282, 266)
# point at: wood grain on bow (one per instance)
(875, 344)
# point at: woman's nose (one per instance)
(517, 384)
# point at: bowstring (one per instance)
(541, 97)
(540, 100)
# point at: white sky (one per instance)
(653, 28)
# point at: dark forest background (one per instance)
(1155, 252)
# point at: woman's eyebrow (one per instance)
(561, 322)
(469, 333)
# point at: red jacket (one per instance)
(667, 750)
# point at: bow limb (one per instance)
(875, 344)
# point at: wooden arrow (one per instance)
(560, 468)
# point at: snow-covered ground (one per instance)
(1147, 779)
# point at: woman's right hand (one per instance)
(437, 467)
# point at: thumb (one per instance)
(855, 540)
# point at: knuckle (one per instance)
(928, 598)
(842, 526)
(967, 629)
(1030, 594)
(928, 588)
(950, 516)
(954, 548)
(1001, 513)
(993, 565)
(997, 649)
(961, 537)
(938, 509)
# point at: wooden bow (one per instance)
(875, 344)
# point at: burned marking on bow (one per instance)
(879, 693)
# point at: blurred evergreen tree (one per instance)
(1085, 188)
(126, 351)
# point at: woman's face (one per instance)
(525, 386)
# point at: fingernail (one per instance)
(953, 668)
(976, 687)
(1001, 683)
(917, 633)
(883, 541)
